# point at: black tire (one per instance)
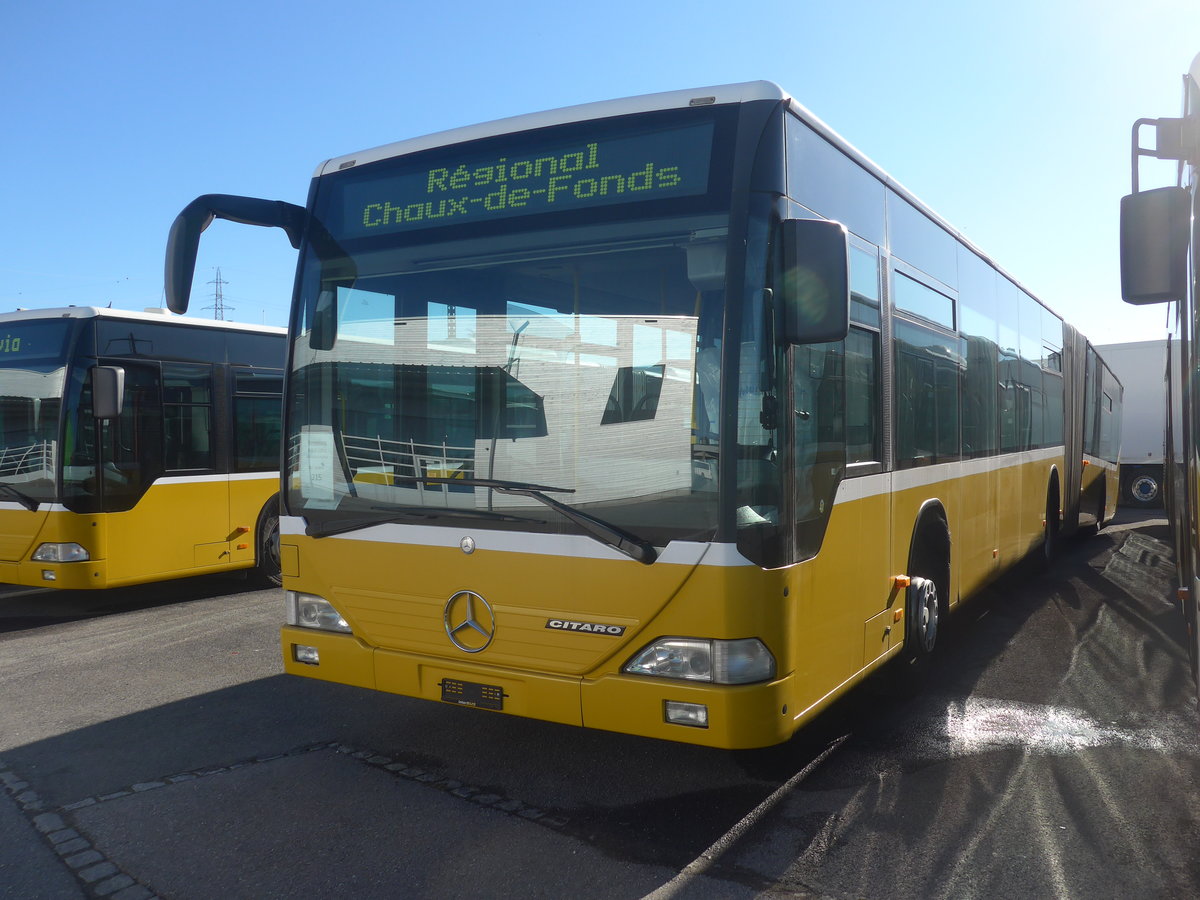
(266, 547)
(1051, 529)
(927, 597)
(924, 617)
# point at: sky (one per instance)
(1010, 119)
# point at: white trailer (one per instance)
(1142, 368)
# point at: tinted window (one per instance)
(831, 184)
(187, 416)
(1020, 399)
(1030, 317)
(862, 396)
(257, 409)
(131, 445)
(979, 410)
(914, 297)
(977, 322)
(117, 338)
(1052, 341)
(927, 383)
(1053, 385)
(256, 433)
(1007, 311)
(864, 286)
(921, 242)
(248, 348)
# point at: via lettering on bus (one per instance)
(503, 170)
(10, 344)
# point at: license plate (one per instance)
(469, 693)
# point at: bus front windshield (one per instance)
(32, 377)
(444, 375)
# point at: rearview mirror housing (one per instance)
(813, 288)
(108, 391)
(1154, 245)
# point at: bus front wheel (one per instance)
(267, 567)
(928, 593)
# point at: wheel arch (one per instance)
(929, 555)
(931, 539)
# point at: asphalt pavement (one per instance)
(1051, 751)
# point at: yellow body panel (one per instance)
(178, 528)
(828, 621)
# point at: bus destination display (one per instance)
(34, 340)
(597, 172)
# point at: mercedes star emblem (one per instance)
(470, 622)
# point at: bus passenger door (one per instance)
(130, 465)
(863, 512)
(842, 511)
(196, 481)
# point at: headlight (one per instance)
(310, 611)
(743, 661)
(60, 553)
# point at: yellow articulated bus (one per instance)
(137, 447)
(1160, 263)
(673, 416)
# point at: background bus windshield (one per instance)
(32, 374)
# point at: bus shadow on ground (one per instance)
(1090, 572)
(22, 609)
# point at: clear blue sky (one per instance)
(1011, 119)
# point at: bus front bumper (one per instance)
(72, 576)
(736, 717)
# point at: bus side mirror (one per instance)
(108, 391)
(1154, 245)
(184, 239)
(813, 293)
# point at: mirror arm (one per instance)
(1174, 139)
(184, 239)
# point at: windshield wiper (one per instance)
(20, 496)
(605, 532)
(348, 525)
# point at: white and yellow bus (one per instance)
(1160, 263)
(673, 416)
(136, 447)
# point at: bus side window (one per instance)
(862, 397)
(257, 413)
(928, 372)
(187, 416)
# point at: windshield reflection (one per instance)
(588, 372)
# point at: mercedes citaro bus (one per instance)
(674, 416)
